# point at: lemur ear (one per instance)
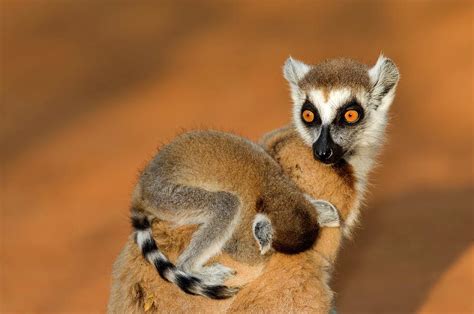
(295, 70)
(384, 76)
(263, 232)
(328, 215)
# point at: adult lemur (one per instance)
(340, 110)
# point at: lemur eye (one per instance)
(308, 116)
(351, 116)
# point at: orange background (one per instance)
(90, 88)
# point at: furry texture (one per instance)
(221, 181)
(303, 277)
(331, 88)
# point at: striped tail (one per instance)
(169, 272)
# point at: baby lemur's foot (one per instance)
(328, 216)
(214, 274)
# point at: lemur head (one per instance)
(293, 229)
(340, 106)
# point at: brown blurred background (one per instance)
(90, 88)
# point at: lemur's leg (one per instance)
(217, 214)
(328, 215)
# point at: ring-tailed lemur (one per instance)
(217, 180)
(340, 110)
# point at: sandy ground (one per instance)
(89, 89)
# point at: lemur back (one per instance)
(233, 189)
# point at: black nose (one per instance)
(325, 150)
(323, 153)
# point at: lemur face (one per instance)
(340, 106)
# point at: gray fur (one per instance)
(334, 84)
(294, 70)
(219, 182)
(384, 76)
(328, 216)
(263, 232)
(184, 205)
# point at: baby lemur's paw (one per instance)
(328, 216)
(215, 274)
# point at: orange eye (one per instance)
(351, 116)
(308, 116)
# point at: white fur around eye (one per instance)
(376, 99)
(328, 107)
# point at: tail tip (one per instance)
(220, 292)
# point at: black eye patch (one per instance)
(307, 105)
(353, 104)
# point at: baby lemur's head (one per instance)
(340, 106)
(292, 225)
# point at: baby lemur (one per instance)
(340, 111)
(212, 179)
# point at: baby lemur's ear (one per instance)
(295, 70)
(263, 232)
(328, 216)
(384, 76)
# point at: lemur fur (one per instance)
(303, 277)
(213, 179)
